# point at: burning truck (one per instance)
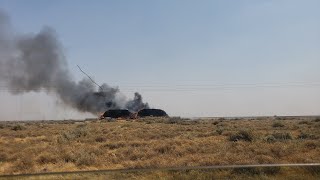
(36, 62)
(126, 114)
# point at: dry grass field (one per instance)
(51, 146)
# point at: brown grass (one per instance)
(30, 147)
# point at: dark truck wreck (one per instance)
(126, 114)
(116, 113)
(152, 112)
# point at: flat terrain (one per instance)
(51, 146)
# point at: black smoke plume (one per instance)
(36, 62)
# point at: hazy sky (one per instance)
(190, 58)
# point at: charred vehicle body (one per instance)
(116, 113)
(152, 112)
(126, 114)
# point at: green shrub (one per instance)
(241, 135)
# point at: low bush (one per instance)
(79, 132)
(314, 170)
(174, 120)
(246, 170)
(100, 139)
(304, 135)
(305, 122)
(270, 139)
(277, 124)
(270, 170)
(164, 149)
(47, 158)
(241, 135)
(278, 136)
(3, 157)
(84, 158)
(115, 145)
(215, 122)
(282, 136)
(317, 120)
(24, 164)
(67, 156)
(18, 127)
(219, 131)
(310, 145)
(257, 171)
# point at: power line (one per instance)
(90, 78)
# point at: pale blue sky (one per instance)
(171, 50)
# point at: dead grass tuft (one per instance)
(47, 158)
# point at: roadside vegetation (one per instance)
(51, 146)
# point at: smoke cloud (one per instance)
(36, 62)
